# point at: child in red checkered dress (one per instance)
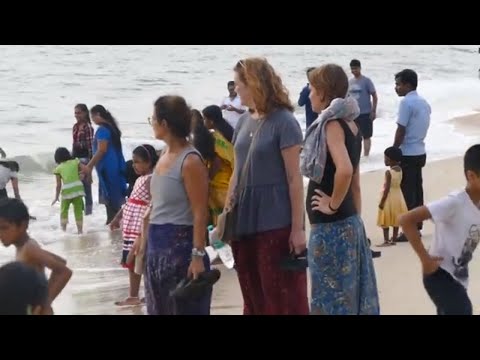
(131, 215)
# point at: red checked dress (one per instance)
(133, 213)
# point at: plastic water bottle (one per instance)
(223, 250)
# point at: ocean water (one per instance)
(41, 85)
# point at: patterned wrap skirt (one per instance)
(167, 258)
(341, 269)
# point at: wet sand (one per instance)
(99, 281)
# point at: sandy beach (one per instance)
(398, 270)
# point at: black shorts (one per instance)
(3, 194)
(448, 295)
(365, 124)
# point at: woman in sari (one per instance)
(217, 151)
(109, 161)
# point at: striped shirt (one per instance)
(70, 174)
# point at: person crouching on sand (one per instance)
(445, 265)
(14, 221)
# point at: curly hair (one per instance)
(265, 85)
(331, 79)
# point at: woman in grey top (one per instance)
(268, 193)
(179, 213)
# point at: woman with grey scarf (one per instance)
(340, 262)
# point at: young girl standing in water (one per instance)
(131, 215)
(72, 190)
(392, 205)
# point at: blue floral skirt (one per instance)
(167, 258)
(341, 270)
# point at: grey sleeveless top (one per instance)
(170, 203)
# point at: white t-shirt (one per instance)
(5, 176)
(233, 116)
(457, 233)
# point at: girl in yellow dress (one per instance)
(212, 138)
(392, 204)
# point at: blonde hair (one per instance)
(330, 79)
(265, 85)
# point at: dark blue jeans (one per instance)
(449, 296)
(88, 192)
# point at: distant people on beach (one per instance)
(445, 266)
(178, 218)
(412, 128)
(392, 203)
(14, 221)
(109, 162)
(70, 186)
(363, 90)
(82, 147)
(232, 105)
(220, 165)
(9, 174)
(340, 262)
(266, 193)
(24, 290)
(131, 216)
(304, 100)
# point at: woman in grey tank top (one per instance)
(179, 213)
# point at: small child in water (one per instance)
(9, 173)
(392, 204)
(73, 191)
(14, 221)
(131, 216)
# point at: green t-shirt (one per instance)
(72, 185)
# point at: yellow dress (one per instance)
(395, 205)
(219, 184)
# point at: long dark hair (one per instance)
(214, 113)
(203, 139)
(147, 153)
(110, 123)
(84, 108)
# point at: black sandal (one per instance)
(295, 262)
(194, 289)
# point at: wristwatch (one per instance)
(198, 253)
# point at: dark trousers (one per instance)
(449, 296)
(88, 191)
(3, 194)
(111, 213)
(412, 181)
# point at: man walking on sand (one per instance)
(363, 90)
(412, 128)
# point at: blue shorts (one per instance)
(365, 124)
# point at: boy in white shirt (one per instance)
(457, 234)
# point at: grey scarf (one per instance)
(314, 155)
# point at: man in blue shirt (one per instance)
(412, 128)
(304, 100)
(363, 90)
